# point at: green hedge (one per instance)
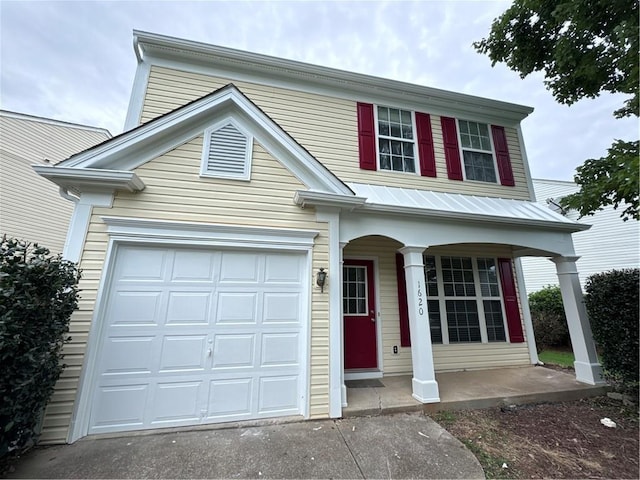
(38, 293)
(549, 320)
(612, 305)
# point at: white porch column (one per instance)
(425, 387)
(342, 385)
(588, 370)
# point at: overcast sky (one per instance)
(74, 60)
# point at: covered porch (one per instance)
(468, 390)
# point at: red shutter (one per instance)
(502, 156)
(366, 136)
(451, 150)
(405, 337)
(425, 145)
(510, 300)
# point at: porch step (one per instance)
(471, 390)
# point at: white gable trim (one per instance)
(138, 146)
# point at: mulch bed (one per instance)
(559, 440)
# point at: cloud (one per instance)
(74, 60)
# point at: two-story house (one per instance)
(266, 229)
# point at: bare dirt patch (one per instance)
(555, 440)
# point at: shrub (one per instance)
(38, 293)
(612, 304)
(549, 320)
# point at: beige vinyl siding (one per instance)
(327, 127)
(31, 207)
(174, 191)
(446, 357)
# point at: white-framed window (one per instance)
(464, 299)
(396, 140)
(354, 288)
(477, 151)
(227, 151)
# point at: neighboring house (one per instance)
(205, 230)
(610, 243)
(31, 208)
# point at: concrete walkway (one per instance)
(391, 446)
(472, 389)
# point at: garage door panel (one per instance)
(281, 307)
(128, 356)
(189, 307)
(278, 394)
(176, 401)
(193, 266)
(183, 353)
(282, 269)
(135, 307)
(119, 406)
(192, 336)
(280, 349)
(138, 264)
(235, 307)
(230, 397)
(234, 351)
(239, 267)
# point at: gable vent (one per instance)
(226, 153)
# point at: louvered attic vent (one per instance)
(227, 153)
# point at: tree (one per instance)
(584, 48)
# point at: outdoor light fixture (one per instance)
(321, 279)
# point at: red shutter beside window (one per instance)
(514, 322)
(366, 136)
(502, 156)
(451, 149)
(405, 337)
(425, 145)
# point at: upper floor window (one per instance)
(477, 152)
(395, 140)
(396, 147)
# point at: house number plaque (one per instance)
(420, 300)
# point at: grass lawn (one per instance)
(563, 358)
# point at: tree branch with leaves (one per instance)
(583, 48)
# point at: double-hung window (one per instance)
(477, 151)
(396, 140)
(464, 300)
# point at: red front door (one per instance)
(359, 307)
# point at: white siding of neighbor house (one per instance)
(609, 244)
(31, 207)
(327, 127)
(452, 357)
(175, 191)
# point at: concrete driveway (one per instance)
(407, 445)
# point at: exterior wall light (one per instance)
(321, 279)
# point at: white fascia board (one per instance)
(306, 198)
(306, 77)
(474, 217)
(90, 179)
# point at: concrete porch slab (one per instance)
(472, 389)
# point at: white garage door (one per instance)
(195, 336)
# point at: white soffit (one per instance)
(457, 206)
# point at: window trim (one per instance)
(493, 153)
(414, 140)
(478, 298)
